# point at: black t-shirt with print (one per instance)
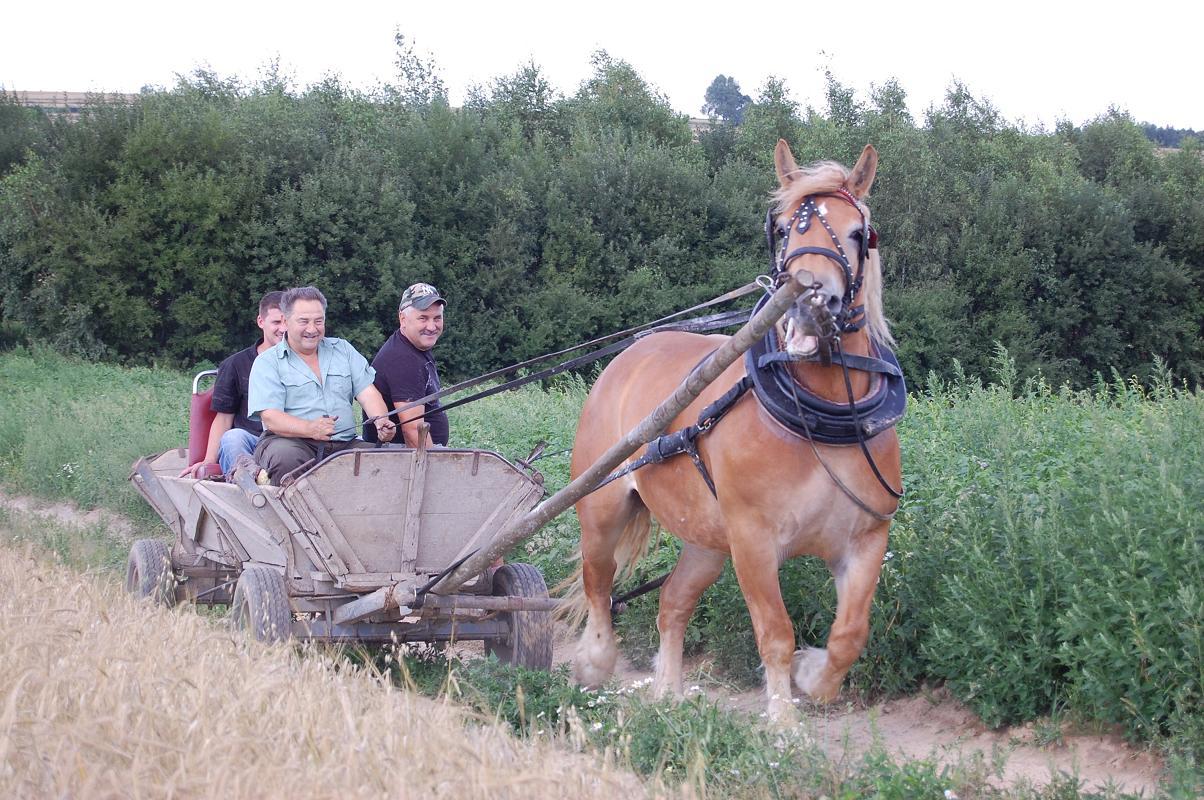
(405, 374)
(230, 390)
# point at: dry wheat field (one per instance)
(107, 697)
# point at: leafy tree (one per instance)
(146, 232)
(418, 82)
(1165, 136)
(22, 130)
(725, 100)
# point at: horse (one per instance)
(778, 492)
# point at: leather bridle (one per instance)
(850, 318)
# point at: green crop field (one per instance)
(1048, 558)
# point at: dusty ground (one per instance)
(934, 724)
(926, 725)
(69, 514)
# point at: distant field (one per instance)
(1048, 557)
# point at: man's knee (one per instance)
(237, 441)
(234, 442)
(281, 455)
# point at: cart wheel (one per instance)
(530, 641)
(261, 605)
(148, 572)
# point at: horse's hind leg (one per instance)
(820, 672)
(610, 522)
(696, 569)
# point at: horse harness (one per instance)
(804, 414)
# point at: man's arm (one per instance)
(374, 404)
(221, 424)
(410, 422)
(287, 425)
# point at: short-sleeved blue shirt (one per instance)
(281, 380)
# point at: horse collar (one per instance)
(812, 417)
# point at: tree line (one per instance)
(145, 233)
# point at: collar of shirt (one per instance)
(326, 347)
(427, 354)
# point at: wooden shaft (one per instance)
(648, 429)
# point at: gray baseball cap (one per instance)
(421, 296)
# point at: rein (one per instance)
(705, 324)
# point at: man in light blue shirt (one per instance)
(301, 390)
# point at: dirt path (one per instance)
(936, 725)
(932, 725)
(70, 515)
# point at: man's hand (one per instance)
(321, 428)
(191, 472)
(385, 429)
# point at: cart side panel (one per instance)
(364, 498)
(235, 523)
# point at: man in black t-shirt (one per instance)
(233, 432)
(405, 368)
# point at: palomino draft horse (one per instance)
(821, 487)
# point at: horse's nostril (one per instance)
(834, 304)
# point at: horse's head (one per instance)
(824, 228)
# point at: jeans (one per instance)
(235, 442)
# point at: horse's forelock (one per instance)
(828, 176)
(817, 178)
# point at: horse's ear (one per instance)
(862, 176)
(783, 159)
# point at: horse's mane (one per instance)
(824, 177)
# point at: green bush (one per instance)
(145, 233)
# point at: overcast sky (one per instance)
(1037, 62)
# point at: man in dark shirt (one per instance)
(405, 368)
(233, 432)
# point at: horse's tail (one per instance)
(631, 548)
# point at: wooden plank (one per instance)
(513, 503)
(319, 549)
(413, 520)
(326, 525)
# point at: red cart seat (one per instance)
(200, 419)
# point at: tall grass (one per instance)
(1048, 556)
(72, 429)
(107, 697)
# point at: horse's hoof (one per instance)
(783, 715)
(593, 670)
(590, 676)
(809, 670)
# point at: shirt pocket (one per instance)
(338, 383)
(302, 395)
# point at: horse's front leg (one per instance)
(756, 562)
(819, 672)
(696, 569)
